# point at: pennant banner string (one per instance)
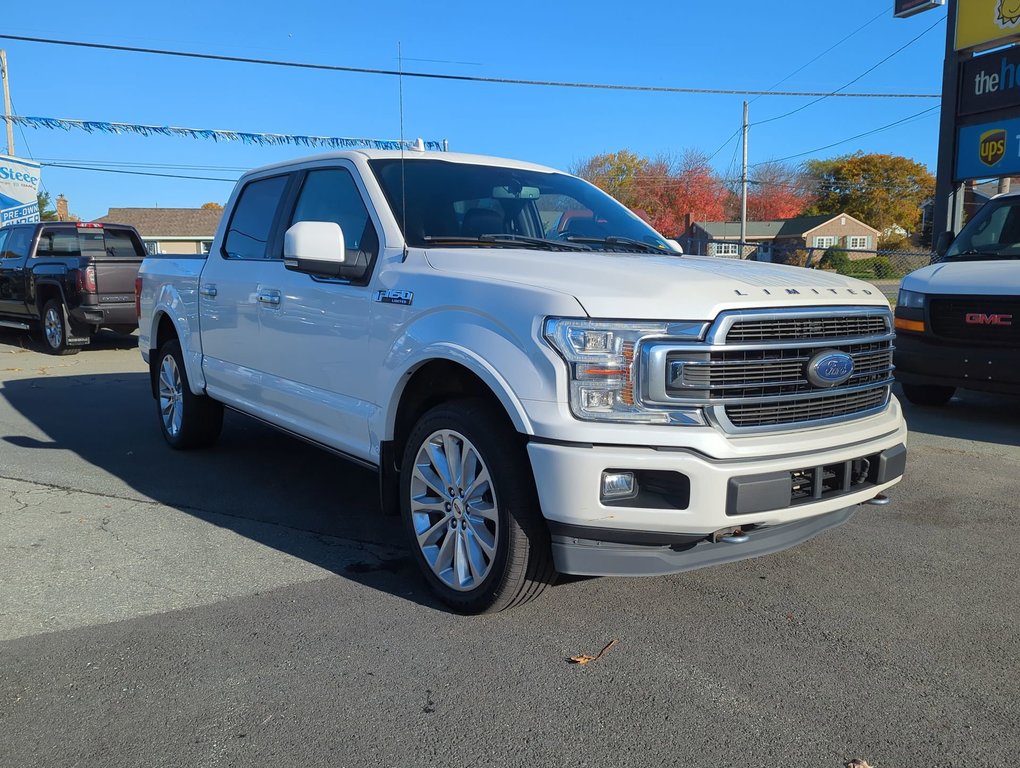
(245, 137)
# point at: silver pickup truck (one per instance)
(542, 382)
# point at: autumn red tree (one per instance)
(778, 191)
(664, 191)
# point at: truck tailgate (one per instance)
(115, 278)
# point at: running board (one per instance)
(14, 324)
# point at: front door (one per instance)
(315, 330)
(15, 243)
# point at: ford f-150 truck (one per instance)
(68, 279)
(543, 383)
(958, 320)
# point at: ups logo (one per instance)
(993, 146)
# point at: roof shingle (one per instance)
(167, 222)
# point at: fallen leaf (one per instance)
(586, 659)
(858, 763)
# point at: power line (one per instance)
(135, 173)
(832, 47)
(461, 78)
(852, 138)
(851, 82)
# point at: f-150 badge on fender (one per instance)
(395, 297)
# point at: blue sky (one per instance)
(685, 43)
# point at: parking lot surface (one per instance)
(249, 605)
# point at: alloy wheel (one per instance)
(171, 393)
(53, 325)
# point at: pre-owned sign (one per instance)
(904, 8)
(19, 184)
(988, 150)
(990, 82)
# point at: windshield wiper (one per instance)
(506, 239)
(975, 254)
(617, 240)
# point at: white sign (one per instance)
(19, 189)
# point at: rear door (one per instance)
(231, 287)
(14, 251)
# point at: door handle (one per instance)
(271, 297)
(208, 290)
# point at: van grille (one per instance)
(949, 319)
(754, 373)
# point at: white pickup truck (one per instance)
(543, 383)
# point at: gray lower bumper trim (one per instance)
(598, 558)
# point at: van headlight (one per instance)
(602, 362)
(910, 299)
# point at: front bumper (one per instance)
(655, 537)
(922, 359)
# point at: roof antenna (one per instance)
(403, 185)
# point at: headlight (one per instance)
(600, 357)
(910, 299)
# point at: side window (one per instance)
(3, 239)
(60, 242)
(18, 242)
(332, 195)
(252, 219)
(120, 244)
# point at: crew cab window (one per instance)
(331, 195)
(61, 243)
(18, 242)
(252, 219)
(3, 239)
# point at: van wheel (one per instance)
(928, 394)
(186, 419)
(54, 329)
(470, 509)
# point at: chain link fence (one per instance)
(883, 267)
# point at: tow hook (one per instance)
(730, 536)
(879, 501)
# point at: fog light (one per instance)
(618, 485)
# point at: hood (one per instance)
(649, 287)
(976, 278)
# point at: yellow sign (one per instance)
(986, 23)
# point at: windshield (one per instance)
(994, 233)
(484, 206)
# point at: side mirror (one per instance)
(674, 245)
(315, 247)
(942, 244)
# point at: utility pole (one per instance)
(6, 76)
(743, 187)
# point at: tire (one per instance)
(483, 548)
(928, 394)
(187, 420)
(54, 327)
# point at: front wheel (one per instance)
(186, 419)
(470, 509)
(928, 394)
(54, 329)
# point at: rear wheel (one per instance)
(54, 329)
(186, 419)
(928, 394)
(470, 509)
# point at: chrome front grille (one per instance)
(764, 384)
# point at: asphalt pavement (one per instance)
(248, 605)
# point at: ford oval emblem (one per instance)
(829, 368)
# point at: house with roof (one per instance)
(763, 238)
(170, 230)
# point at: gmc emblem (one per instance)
(979, 318)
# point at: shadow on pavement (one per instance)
(254, 475)
(978, 416)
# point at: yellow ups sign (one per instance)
(986, 23)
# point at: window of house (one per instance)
(206, 246)
(858, 242)
(826, 241)
(253, 218)
(726, 249)
(151, 247)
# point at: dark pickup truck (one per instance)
(68, 279)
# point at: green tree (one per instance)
(880, 190)
(46, 211)
(615, 173)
